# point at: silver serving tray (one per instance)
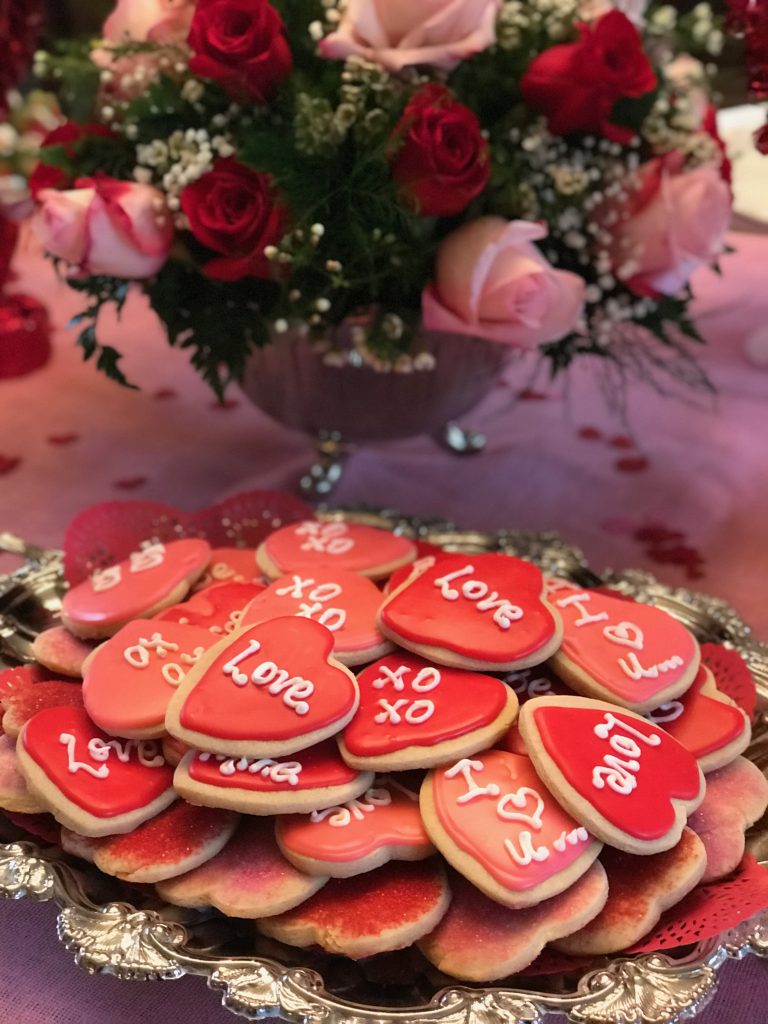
(124, 931)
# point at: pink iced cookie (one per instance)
(231, 565)
(414, 714)
(90, 782)
(306, 781)
(311, 545)
(493, 820)
(178, 840)
(484, 612)
(61, 651)
(705, 722)
(15, 794)
(372, 913)
(737, 796)
(139, 587)
(267, 691)
(344, 602)
(250, 878)
(479, 940)
(130, 679)
(621, 651)
(218, 608)
(25, 702)
(626, 780)
(383, 824)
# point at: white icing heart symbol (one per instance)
(626, 634)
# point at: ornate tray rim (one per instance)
(119, 939)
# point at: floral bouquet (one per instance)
(541, 174)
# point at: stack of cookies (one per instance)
(361, 744)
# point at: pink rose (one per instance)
(398, 33)
(115, 228)
(492, 282)
(675, 222)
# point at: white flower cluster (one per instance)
(700, 23)
(179, 160)
(555, 17)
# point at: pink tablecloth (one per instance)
(678, 488)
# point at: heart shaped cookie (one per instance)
(267, 691)
(311, 545)
(705, 722)
(15, 794)
(306, 781)
(381, 825)
(344, 602)
(90, 782)
(30, 698)
(130, 679)
(60, 651)
(149, 580)
(493, 820)
(413, 714)
(230, 565)
(218, 608)
(474, 611)
(618, 650)
(626, 780)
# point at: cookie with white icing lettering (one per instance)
(414, 714)
(15, 794)
(267, 691)
(130, 678)
(218, 608)
(486, 612)
(626, 780)
(705, 722)
(344, 602)
(61, 651)
(372, 913)
(312, 545)
(89, 781)
(737, 797)
(504, 941)
(139, 587)
(381, 825)
(494, 821)
(29, 698)
(177, 840)
(250, 878)
(618, 650)
(297, 783)
(640, 889)
(230, 565)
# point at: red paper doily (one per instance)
(732, 676)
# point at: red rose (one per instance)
(240, 44)
(67, 135)
(438, 156)
(233, 210)
(577, 84)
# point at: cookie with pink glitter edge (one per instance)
(737, 796)
(640, 889)
(386, 909)
(24, 703)
(479, 940)
(61, 651)
(15, 794)
(178, 840)
(249, 878)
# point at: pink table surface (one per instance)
(679, 488)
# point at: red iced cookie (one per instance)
(428, 554)
(705, 722)
(268, 691)
(474, 611)
(25, 703)
(344, 602)
(732, 676)
(312, 545)
(413, 714)
(381, 825)
(61, 651)
(149, 580)
(629, 782)
(218, 609)
(231, 565)
(130, 679)
(621, 651)
(91, 782)
(493, 820)
(306, 781)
